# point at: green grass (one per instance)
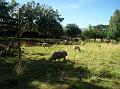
(97, 66)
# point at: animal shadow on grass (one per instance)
(58, 72)
(54, 72)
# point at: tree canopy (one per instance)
(72, 30)
(94, 32)
(114, 26)
(34, 17)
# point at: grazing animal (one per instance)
(58, 55)
(45, 45)
(82, 43)
(65, 41)
(76, 40)
(76, 47)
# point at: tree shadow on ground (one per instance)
(7, 77)
(85, 85)
(54, 72)
(58, 72)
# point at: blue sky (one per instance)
(82, 12)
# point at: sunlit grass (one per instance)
(100, 62)
(102, 59)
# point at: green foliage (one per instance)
(4, 8)
(34, 17)
(72, 30)
(8, 9)
(94, 32)
(114, 28)
(7, 22)
(94, 67)
(42, 19)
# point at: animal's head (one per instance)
(65, 53)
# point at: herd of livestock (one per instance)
(61, 54)
(54, 56)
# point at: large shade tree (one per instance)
(42, 19)
(48, 21)
(114, 26)
(34, 18)
(72, 30)
(7, 11)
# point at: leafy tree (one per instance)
(13, 9)
(6, 11)
(114, 26)
(90, 33)
(101, 31)
(94, 32)
(72, 30)
(34, 17)
(48, 21)
(27, 16)
(86, 34)
(42, 19)
(4, 8)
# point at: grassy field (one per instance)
(96, 66)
